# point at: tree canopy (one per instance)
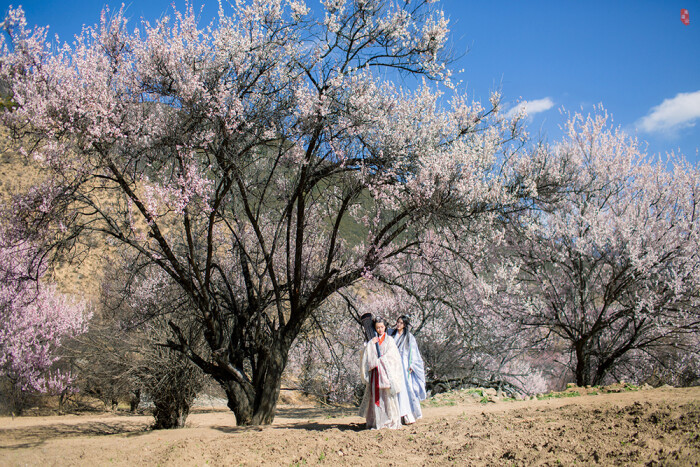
(230, 158)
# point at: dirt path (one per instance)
(655, 427)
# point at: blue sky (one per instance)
(635, 57)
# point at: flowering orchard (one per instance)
(264, 165)
(261, 163)
(458, 337)
(324, 359)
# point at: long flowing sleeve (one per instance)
(369, 360)
(417, 369)
(391, 366)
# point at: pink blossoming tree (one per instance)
(607, 265)
(262, 163)
(35, 320)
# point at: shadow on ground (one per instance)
(309, 425)
(304, 418)
(27, 437)
(310, 413)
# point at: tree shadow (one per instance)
(208, 410)
(304, 418)
(314, 412)
(310, 425)
(321, 426)
(29, 437)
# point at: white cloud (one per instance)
(673, 114)
(531, 107)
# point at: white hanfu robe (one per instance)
(384, 380)
(414, 377)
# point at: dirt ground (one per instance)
(653, 427)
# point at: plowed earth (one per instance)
(653, 427)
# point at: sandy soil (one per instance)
(654, 427)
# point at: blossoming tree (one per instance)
(608, 263)
(35, 319)
(262, 163)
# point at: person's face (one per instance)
(399, 324)
(380, 327)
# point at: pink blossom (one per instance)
(35, 319)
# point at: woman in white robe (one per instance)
(413, 370)
(383, 376)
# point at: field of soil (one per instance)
(652, 427)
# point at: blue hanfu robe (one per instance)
(414, 376)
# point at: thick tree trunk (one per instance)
(268, 388)
(582, 368)
(255, 403)
(239, 401)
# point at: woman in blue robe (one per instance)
(414, 372)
